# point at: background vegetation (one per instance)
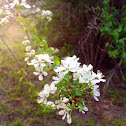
(93, 30)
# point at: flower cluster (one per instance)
(18, 2)
(39, 62)
(4, 20)
(44, 94)
(48, 14)
(29, 51)
(4, 11)
(71, 84)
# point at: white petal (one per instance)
(45, 101)
(39, 68)
(55, 78)
(83, 112)
(41, 100)
(35, 65)
(61, 112)
(96, 98)
(69, 120)
(64, 116)
(47, 88)
(102, 80)
(81, 80)
(40, 77)
(97, 93)
(55, 82)
(45, 73)
(35, 73)
(85, 108)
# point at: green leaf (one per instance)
(36, 39)
(24, 21)
(81, 107)
(56, 60)
(67, 78)
(106, 44)
(40, 51)
(20, 80)
(20, 19)
(75, 93)
(124, 55)
(44, 43)
(75, 84)
(78, 93)
(31, 84)
(32, 30)
(54, 66)
(50, 50)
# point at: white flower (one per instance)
(6, 6)
(65, 112)
(26, 59)
(38, 10)
(76, 76)
(46, 12)
(85, 109)
(26, 42)
(60, 69)
(25, 5)
(22, 3)
(28, 48)
(96, 92)
(65, 100)
(37, 63)
(49, 103)
(40, 59)
(44, 57)
(87, 68)
(59, 78)
(40, 72)
(4, 20)
(97, 78)
(71, 63)
(31, 53)
(68, 64)
(85, 77)
(49, 18)
(50, 88)
(16, 2)
(43, 96)
(100, 76)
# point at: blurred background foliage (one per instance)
(94, 30)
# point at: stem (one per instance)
(14, 57)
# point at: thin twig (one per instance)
(112, 73)
(13, 52)
(122, 74)
(14, 57)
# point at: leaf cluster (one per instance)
(114, 26)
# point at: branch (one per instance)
(14, 57)
(13, 52)
(113, 71)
